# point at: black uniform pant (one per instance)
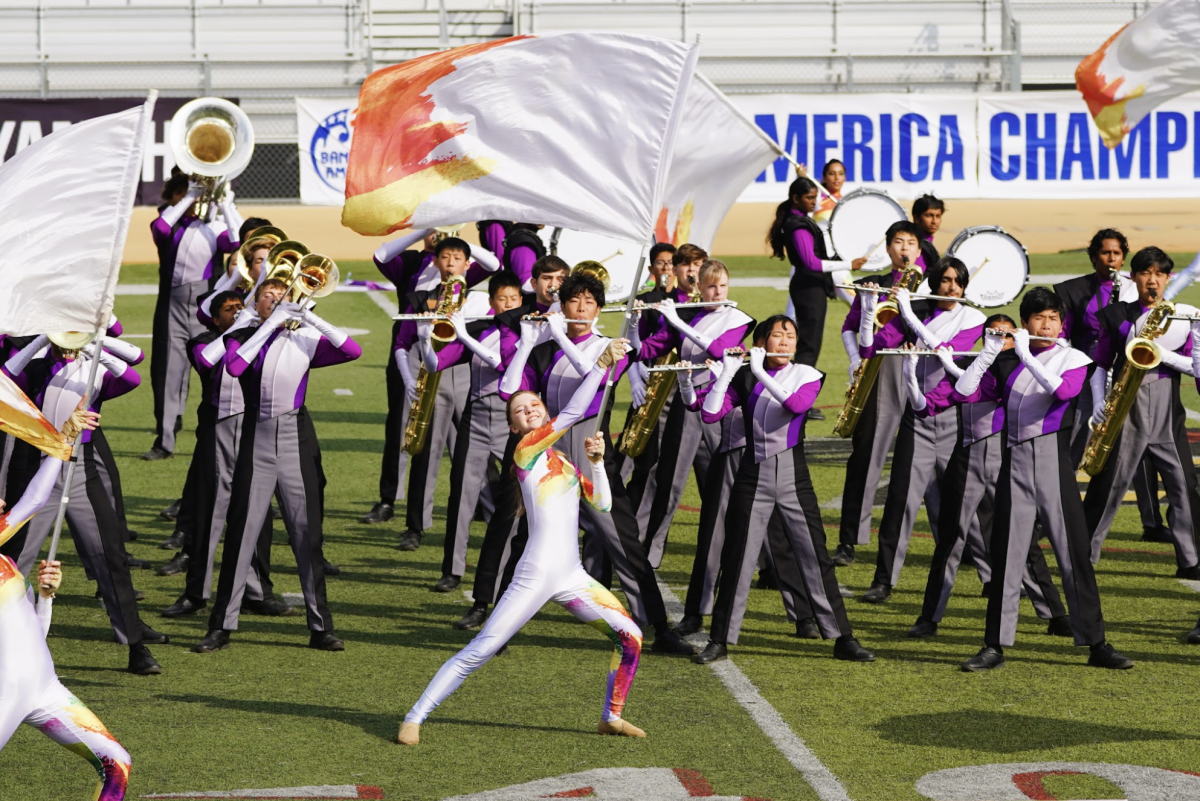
(395, 460)
(811, 304)
(506, 535)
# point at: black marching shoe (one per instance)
(815, 414)
(380, 513)
(141, 663)
(878, 593)
(668, 642)
(325, 641)
(1105, 656)
(767, 580)
(173, 542)
(269, 607)
(1157, 534)
(182, 607)
(1060, 626)
(131, 535)
(689, 625)
(177, 565)
(848, 649)
(330, 568)
(172, 512)
(410, 540)
(807, 629)
(473, 619)
(152, 637)
(447, 584)
(156, 454)
(1192, 572)
(133, 563)
(844, 555)
(1193, 636)
(214, 640)
(988, 658)
(713, 652)
(923, 628)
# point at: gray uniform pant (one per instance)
(872, 439)
(1037, 482)
(1154, 429)
(923, 450)
(778, 485)
(276, 457)
(423, 467)
(97, 535)
(170, 368)
(482, 438)
(969, 484)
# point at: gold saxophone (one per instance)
(659, 388)
(1142, 355)
(420, 415)
(868, 369)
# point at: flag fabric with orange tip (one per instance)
(572, 130)
(20, 418)
(1149, 61)
(717, 153)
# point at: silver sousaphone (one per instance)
(212, 141)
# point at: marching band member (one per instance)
(220, 419)
(774, 393)
(507, 531)
(796, 237)
(32, 692)
(708, 332)
(483, 431)
(876, 429)
(550, 570)
(492, 234)
(255, 250)
(1037, 477)
(927, 212)
(833, 178)
(522, 249)
(924, 444)
(556, 368)
(1155, 425)
(188, 249)
(1085, 297)
(967, 489)
(278, 455)
(57, 384)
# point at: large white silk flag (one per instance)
(717, 154)
(65, 204)
(1151, 60)
(573, 130)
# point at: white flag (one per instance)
(65, 204)
(718, 152)
(571, 130)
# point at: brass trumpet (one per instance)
(446, 231)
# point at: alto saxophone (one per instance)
(1142, 355)
(420, 415)
(868, 369)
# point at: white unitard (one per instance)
(550, 569)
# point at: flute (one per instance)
(1191, 318)
(1000, 332)
(689, 305)
(923, 352)
(680, 367)
(915, 295)
(432, 317)
(538, 318)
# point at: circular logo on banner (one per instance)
(330, 149)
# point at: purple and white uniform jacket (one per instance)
(959, 328)
(276, 381)
(225, 390)
(724, 325)
(550, 373)
(771, 427)
(1120, 323)
(485, 380)
(57, 386)
(192, 247)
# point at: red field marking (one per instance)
(696, 785)
(582, 792)
(1031, 783)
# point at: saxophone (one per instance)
(659, 388)
(420, 415)
(868, 369)
(1142, 355)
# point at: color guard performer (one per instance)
(833, 178)
(1037, 477)
(774, 393)
(1155, 425)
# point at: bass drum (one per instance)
(619, 257)
(858, 225)
(997, 264)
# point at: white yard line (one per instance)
(772, 724)
(384, 301)
(1192, 415)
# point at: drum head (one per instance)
(620, 258)
(859, 222)
(997, 263)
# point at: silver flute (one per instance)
(697, 305)
(1000, 332)
(681, 367)
(916, 295)
(923, 352)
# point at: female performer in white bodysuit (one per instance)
(550, 569)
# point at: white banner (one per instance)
(324, 128)
(906, 144)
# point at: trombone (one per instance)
(914, 295)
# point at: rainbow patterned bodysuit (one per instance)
(550, 569)
(30, 691)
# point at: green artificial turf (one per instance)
(268, 712)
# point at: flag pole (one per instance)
(69, 478)
(626, 327)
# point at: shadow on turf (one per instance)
(999, 732)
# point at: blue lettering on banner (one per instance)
(1077, 150)
(857, 131)
(1138, 137)
(330, 149)
(950, 148)
(1046, 143)
(822, 144)
(885, 147)
(1010, 169)
(1165, 121)
(907, 171)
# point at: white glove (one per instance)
(173, 214)
(534, 333)
(1196, 347)
(687, 391)
(945, 355)
(672, 314)
(557, 325)
(491, 357)
(866, 322)
(969, 381)
(336, 336)
(758, 360)
(916, 398)
(1048, 381)
(233, 220)
(904, 300)
(123, 350)
(850, 343)
(758, 357)
(425, 329)
(1177, 362)
(637, 384)
(248, 350)
(1021, 340)
(1098, 381)
(485, 257)
(558, 329)
(390, 250)
(111, 362)
(730, 364)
